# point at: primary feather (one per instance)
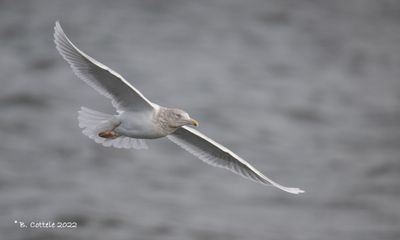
(217, 155)
(107, 82)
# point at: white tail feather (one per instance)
(94, 122)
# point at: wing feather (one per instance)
(217, 155)
(97, 75)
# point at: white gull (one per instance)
(139, 119)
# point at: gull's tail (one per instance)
(94, 122)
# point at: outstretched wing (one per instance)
(97, 75)
(217, 155)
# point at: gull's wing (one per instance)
(97, 75)
(217, 155)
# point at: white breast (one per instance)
(139, 125)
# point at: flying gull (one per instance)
(138, 118)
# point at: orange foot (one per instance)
(109, 134)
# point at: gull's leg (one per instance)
(110, 134)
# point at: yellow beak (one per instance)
(194, 122)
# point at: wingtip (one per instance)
(289, 189)
(295, 190)
(57, 24)
(60, 39)
(56, 35)
(57, 27)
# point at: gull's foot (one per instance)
(109, 134)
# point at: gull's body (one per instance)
(135, 125)
(139, 119)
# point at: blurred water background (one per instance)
(308, 91)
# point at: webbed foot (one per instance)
(109, 134)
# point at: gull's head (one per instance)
(178, 118)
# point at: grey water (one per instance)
(307, 91)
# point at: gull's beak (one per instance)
(194, 122)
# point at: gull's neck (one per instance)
(162, 117)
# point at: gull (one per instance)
(138, 118)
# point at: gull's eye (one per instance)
(179, 115)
